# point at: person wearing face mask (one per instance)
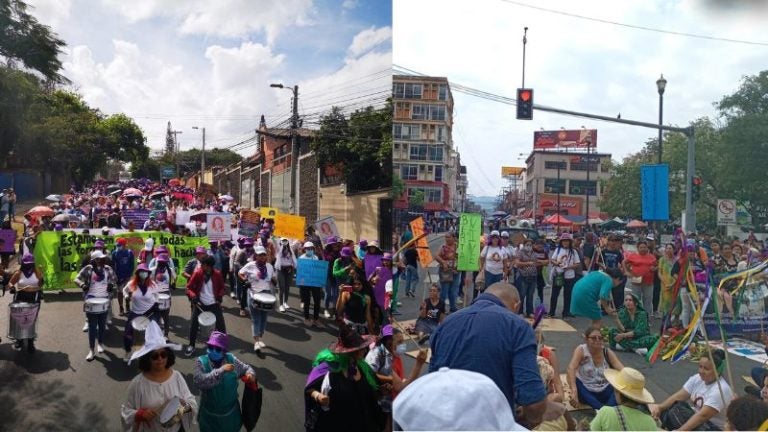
(205, 290)
(313, 293)
(143, 292)
(216, 374)
(124, 262)
(285, 264)
(261, 276)
(25, 285)
(162, 276)
(97, 280)
(525, 262)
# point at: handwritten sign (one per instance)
(269, 212)
(218, 226)
(137, 216)
(422, 247)
(290, 226)
(7, 240)
(249, 223)
(470, 228)
(311, 273)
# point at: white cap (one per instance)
(309, 245)
(97, 254)
(258, 250)
(505, 234)
(423, 405)
(494, 233)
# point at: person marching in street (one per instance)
(216, 374)
(449, 276)
(205, 290)
(261, 276)
(142, 291)
(354, 306)
(146, 254)
(163, 275)
(244, 255)
(525, 263)
(97, 280)
(331, 253)
(26, 286)
(285, 265)
(313, 293)
(565, 260)
(124, 262)
(192, 265)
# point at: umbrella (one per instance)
(117, 192)
(54, 198)
(174, 182)
(636, 224)
(498, 213)
(133, 192)
(40, 211)
(157, 194)
(200, 215)
(61, 218)
(557, 219)
(227, 198)
(113, 187)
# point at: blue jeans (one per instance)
(595, 399)
(97, 323)
(758, 375)
(526, 287)
(411, 279)
(331, 293)
(491, 278)
(450, 290)
(258, 319)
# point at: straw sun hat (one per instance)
(630, 383)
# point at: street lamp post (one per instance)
(588, 189)
(661, 84)
(202, 157)
(294, 141)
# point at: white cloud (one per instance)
(369, 39)
(350, 4)
(51, 12)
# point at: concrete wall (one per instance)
(308, 184)
(357, 216)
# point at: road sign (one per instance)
(726, 212)
(168, 171)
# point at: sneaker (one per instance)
(256, 346)
(243, 312)
(326, 315)
(618, 347)
(399, 303)
(262, 345)
(286, 307)
(18, 345)
(459, 301)
(106, 326)
(109, 321)
(233, 295)
(31, 346)
(189, 351)
(301, 305)
(641, 351)
(89, 357)
(85, 328)
(99, 348)
(281, 308)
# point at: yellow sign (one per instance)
(268, 212)
(422, 247)
(511, 171)
(290, 226)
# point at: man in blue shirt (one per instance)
(123, 261)
(488, 337)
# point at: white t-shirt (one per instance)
(494, 259)
(140, 302)
(163, 279)
(703, 394)
(250, 271)
(566, 258)
(206, 292)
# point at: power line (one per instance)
(635, 26)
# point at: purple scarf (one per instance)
(262, 270)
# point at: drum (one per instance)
(172, 412)
(206, 319)
(96, 305)
(23, 320)
(140, 323)
(263, 300)
(163, 301)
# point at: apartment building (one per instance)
(423, 155)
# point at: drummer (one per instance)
(205, 290)
(97, 280)
(142, 291)
(261, 276)
(26, 283)
(163, 275)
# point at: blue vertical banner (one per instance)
(654, 183)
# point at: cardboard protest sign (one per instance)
(325, 228)
(373, 265)
(59, 254)
(422, 247)
(138, 216)
(290, 226)
(218, 226)
(268, 212)
(249, 223)
(311, 272)
(7, 240)
(470, 229)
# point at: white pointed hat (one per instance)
(153, 340)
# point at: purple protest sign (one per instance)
(138, 216)
(7, 241)
(372, 263)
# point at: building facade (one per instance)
(542, 187)
(423, 155)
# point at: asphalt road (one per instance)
(57, 390)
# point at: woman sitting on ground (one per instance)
(636, 335)
(701, 403)
(586, 372)
(631, 411)
(431, 313)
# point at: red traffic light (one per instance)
(697, 181)
(525, 95)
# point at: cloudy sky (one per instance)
(577, 64)
(209, 63)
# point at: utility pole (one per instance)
(294, 142)
(176, 152)
(589, 163)
(202, 157)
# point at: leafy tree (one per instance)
(124, 140)
(398, 187)
(189, 160)
(416, 201)
(149, 168)
(23, 39)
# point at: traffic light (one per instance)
(696, 188)
(524, 104)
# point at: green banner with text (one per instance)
(470, 229)
(59, 255)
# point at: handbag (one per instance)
(480, 281)
(251, 406)
(679, 413)
(559, 280)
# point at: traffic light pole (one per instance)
(690, 213)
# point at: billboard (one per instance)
(565, 139)
(507, 171)
(569, 205)
(654, 185)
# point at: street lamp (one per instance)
(661, 84)
(294, 141)
(202, 157)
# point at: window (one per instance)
(419, 112)
(442, 135)
(418, 152)
(397, 145)
(437, 112)
(580, 187)
(442, 92)
(433, 195)
(552, 186)
(406, 131)
(407, 90)
(438, 173)
(436, 153)
(424, 152)
(428, 112)
(409, 172)
(429, 168)
(580, 164)
(554, 164)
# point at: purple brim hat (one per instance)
(28, 259)
(346, 252)
(219, 340)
